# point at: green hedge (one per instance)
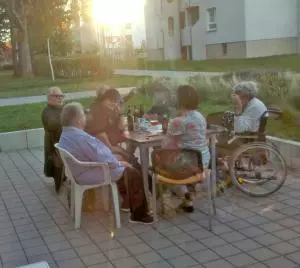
(73, 67)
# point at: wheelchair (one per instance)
(254, 165)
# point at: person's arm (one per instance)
(175, 129)
(101, 153)
(51, 121)
(248, 120)
(104, 138)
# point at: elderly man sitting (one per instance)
(85, 147)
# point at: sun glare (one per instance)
(117, 12)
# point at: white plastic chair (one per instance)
(77, 190)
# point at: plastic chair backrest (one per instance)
(177, 163)
(65, 155)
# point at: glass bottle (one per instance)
(129, 119)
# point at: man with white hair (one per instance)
(248, 108)
(52, 127)
(87, 148)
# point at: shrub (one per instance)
(7, 66)
(213, 89)
(73, 67)
(247, 75)
(275, 89)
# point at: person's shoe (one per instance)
(125, 207)
(57, 183)
(147, 220)
(187, 204)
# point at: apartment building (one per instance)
(206, 29)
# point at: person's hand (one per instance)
(237, 102)
(126, 164)
(120, 151)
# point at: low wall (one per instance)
(289, 149)
(20, 140)
(34, 138)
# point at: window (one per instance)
(171, 25)
(211, 19)
(224, 49)
(193, 14)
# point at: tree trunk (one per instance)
(20, 38)
(15, 52)
(25, 55)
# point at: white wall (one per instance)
(230, 20)
(172, 43)
(230, 25)
(153, 24)
(268, 19)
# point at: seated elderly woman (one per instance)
(248, 108)
(188, 131)
(105, 122)
(245, 118)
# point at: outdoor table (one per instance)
(144, 141)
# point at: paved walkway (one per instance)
(155, 73)
(248, 232)
(69, 96)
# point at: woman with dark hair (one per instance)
(105, 122)
(188, 130)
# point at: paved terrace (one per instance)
(35, 226)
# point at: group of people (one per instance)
(95, 136)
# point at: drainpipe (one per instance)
(180, 30)
(190, 30)
(298, 26)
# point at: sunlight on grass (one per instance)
(18, 87)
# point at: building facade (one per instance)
(206, 29)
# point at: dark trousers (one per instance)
(131, 187)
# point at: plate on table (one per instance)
(157, 129)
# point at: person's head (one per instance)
(55, 97)
(246, 91)
(109, 97)
(73, 115)
(187, 98)
(100, 90)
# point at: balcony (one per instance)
(185, 37)
(189, 3)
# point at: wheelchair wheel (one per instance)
(258, 169)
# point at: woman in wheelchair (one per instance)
(246, 119)
(247, 115)
(188, 131)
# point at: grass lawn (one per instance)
(17, 87)
(285, 63)
(28, 116)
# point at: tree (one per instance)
(17, 12)
(4, 23)
(50, 19)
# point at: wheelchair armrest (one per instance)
(247, 133)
